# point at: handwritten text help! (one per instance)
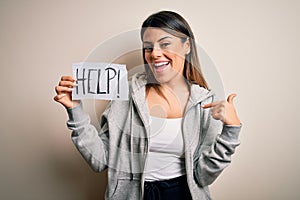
(100, 81)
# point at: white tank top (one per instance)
(166, 149)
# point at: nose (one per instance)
(156, 52)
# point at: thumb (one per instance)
(230, 98)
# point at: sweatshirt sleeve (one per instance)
(90, 143)
(216, 149)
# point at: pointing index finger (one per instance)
(209, 105)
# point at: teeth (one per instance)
(160, 64)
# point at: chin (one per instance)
(162, 80)
(163, 77)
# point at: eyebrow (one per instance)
(147, 42)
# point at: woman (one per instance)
(171, 139)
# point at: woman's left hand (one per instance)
(224, 111)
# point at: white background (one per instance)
(254, 44)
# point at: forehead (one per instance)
(154, 34)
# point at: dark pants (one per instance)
(173, 189)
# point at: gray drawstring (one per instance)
(131, 141)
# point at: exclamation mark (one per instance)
(118, 86)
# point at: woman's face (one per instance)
(165, 54)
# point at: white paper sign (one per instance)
(100, 81)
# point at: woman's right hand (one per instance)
(64, 92)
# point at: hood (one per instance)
(138, 81)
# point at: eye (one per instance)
(148, 48)
(165, 45)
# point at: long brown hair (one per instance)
(176, 25)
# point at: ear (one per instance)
(187, 46)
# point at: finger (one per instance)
(59, 96)
(218, 116)
(219, 109)
(68, 78)
(230, 98)
(210, 105)
(60, 89)
(67, 83)
(207, 105)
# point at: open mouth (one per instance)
(160, 66)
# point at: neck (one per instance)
(178, 83)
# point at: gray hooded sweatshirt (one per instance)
(121, 145)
